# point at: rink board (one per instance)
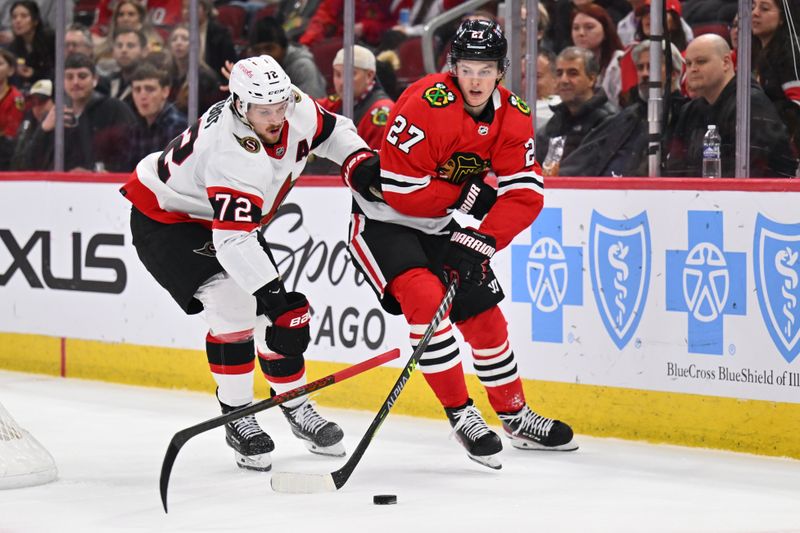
(664, 310)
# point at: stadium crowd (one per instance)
(127, 62)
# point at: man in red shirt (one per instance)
(445, 132)
(371, 103)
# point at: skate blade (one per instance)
(259, 463)
(524, 444)
(334, 450)
(490, 461)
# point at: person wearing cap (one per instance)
(371, 104)
(40, 101)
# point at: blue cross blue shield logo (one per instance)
(547, 275)
(776, 264)
(706, 282)
(619, 262)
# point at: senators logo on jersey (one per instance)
(250, 144)
(520, 104)
(461, 166)
(439, 95)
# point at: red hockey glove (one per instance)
(290, 315)
(467, 257)
(477, 197)
(361, 171)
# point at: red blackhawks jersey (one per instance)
(218, 174)
(433, 146)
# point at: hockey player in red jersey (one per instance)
(197, 210)
(444, 133)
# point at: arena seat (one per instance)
(412, 66)
(324, 51)
(235, 19)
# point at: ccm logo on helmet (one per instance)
(300, 320)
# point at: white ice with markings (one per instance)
(109, 441)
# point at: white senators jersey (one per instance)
(218, 173)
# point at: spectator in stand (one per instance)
(130, 47)
(157, 120)
(97, 127)
(627, 27)
(40, 101)
(371, 104)
(372, 20)
(208, 82)
(733, 29)
(698, 12)
(619, 145)
(295, 16)
(546, 97)
(126, 14)
(268, 37)
(583, 106)
(78, 40)
(712, 79)
(776, 59)
(216, 43)
(12, 105)
(34, 44)
(162, 13)
(675, 30)
(593, 29)
(47, 11)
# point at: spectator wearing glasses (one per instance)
(78, 40)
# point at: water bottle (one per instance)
(405, 17)
(712, 167)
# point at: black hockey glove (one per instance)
(361, 171)
(290, 315)
(477, 197)
(467, 257)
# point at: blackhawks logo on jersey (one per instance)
(380, 115)
(461, 166)
(439, 95)
(250, 144)
(520, 104)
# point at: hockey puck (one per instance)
(384, 499)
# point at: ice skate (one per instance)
(251, 445)
(319, 435)
(530, 431)
(472, 432)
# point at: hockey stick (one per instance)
(181, 437)
(306, 483)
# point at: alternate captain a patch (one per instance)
(520, 104)
(250, 144)
(380, 115)
(439, 95)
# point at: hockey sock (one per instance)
(419, 293)
(231, 358)
(494, 359)
(283, 374)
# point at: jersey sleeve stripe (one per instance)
(521, 185)
(325, 126)
(400, 184)
(536, 178)
(411, 180)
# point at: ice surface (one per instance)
(109, 441)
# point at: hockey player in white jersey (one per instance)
(197, 210)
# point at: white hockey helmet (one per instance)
(258, 80)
